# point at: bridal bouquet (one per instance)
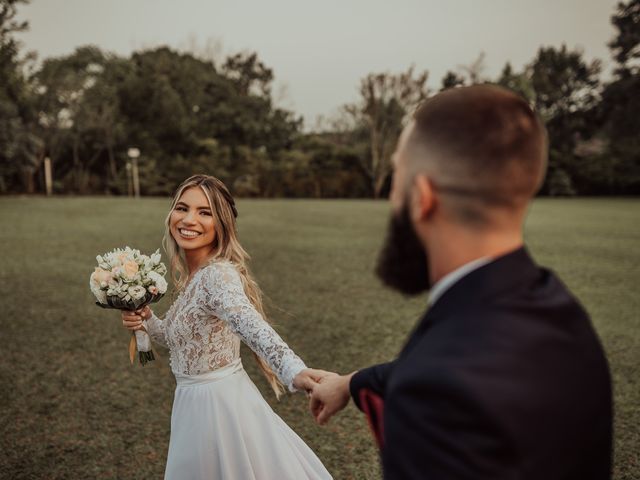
(128, 280)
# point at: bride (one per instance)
(221, 427)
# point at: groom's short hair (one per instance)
(482, 146)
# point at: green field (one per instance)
(72, 407)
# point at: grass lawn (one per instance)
(72, 407)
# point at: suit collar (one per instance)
(450, 279)
(490, 280)
(487, 281)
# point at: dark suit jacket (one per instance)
(503, 378)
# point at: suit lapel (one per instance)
(500, 275)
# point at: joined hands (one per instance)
(328, 392)
(309, 378)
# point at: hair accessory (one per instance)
(231, 201)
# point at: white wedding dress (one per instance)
(221, 427)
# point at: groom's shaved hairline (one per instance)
(484, 139)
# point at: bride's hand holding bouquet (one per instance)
(132, 320)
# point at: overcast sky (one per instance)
(319, 50)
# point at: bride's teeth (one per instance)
(188, 233)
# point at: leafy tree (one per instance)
(621, 101)
(249, 74)
(626, 45)
(79, 116)
(386, 100)
(473, 72)
(566, 94)
(563, 81)
(470, 74)
(174, 103)
(451, 80)
(520, 83)
(334, 166)
(20, 148)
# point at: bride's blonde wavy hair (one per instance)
(226, 247)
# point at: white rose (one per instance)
(137, 292)
(120, 289)
(155, 257)
(158, 281)
(100, 295)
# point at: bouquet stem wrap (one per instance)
(140, 340)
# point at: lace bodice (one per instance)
(203, 327)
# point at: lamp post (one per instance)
(129, 182)
(133, 154)
(47, 176)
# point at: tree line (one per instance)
(188, 114)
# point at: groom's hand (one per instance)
(308, 378)
(329, 397)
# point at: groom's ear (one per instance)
(423, 199)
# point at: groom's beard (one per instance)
(402, 263)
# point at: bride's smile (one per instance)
(188, 233)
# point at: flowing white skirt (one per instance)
(222, 429)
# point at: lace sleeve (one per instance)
(155, 328)
(226, 298)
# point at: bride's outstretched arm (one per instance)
(227, 300)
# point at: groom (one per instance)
(504, 376)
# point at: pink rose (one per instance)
(130, 268)
(153, 290)
(101, 276)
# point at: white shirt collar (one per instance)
(451, 278)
